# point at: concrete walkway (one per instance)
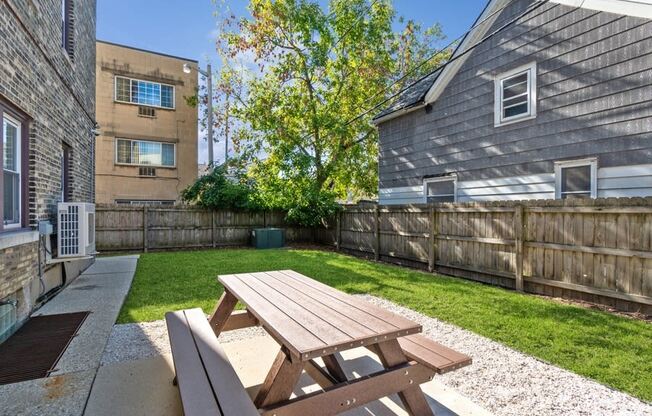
(101, 289)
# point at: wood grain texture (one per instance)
(312, 319)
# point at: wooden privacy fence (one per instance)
(143, 228)
(593, 250)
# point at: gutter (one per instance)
(398, 113)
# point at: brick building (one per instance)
(147, 150)
(47, 113)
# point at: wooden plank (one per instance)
(355, 393)
(518, 235)
(496, 241)
(376, 234)
(231, 394)
(327, 332)
(353, 324)
(508, 275)
(402, 324)
(278, 324)
(280, 381)
(222, 312)
(432, 354)
(592, 210)
(594, 250)
(475, 209)
(197, 396)
(338, 241)
(391, 354)
(432, 249)
(239, 320)
(334, 367)
(592, 290)
(145, 232)
(320, 375)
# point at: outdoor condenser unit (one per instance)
(76, 229)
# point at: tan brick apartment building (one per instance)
(147, 150)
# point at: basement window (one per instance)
(442, 189)
(515, 95)
(576, 179)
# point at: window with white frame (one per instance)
(144, 153)
(515, 95)
(11, 172)
(576, 179)
(441, 189)
(135, 91)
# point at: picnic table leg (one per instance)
(280, 381)
(334, 367)
(391, 354)
(223, 310)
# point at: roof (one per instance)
(411, 97)
(145, 50)
(416, 97)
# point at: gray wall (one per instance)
(594, 100)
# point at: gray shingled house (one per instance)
(557, 104)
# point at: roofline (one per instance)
(637, 8)
(398, 113)
(147, 51)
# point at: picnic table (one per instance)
(312, 321)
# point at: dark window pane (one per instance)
(517, 89)
(167, 96)
(576, 179)
(11, 197)
(168, 154)
(515, 80)
(515, 111)
(584, 195)
(441, 188)
(446, 198)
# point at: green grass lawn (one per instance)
(611, 349)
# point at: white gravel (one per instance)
(507, 382)
(501, 380)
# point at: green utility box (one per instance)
(268, 237)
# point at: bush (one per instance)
(218, 191)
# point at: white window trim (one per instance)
(592, 162)
(448, 178)
(19, 159)
(115, 93)
(115, 147)
(531, 68)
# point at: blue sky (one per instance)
(186, 27)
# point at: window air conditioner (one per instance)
(76, 229)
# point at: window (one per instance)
(515, 95)
(11, 172)
(576, 179)
(67, 27)
(147, 153)
(441, 189)
(148, 93)
(65, 172)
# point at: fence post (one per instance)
(145, 219)
(338, 230)
(264, 218)
(518, 238)
(213, 231)
(377, 233)
(432, 248)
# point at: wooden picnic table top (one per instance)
(310, 318)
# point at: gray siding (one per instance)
(594, 98)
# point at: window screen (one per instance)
(10, 173)
(576, 182)
(440, 191)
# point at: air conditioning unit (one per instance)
(76, 229)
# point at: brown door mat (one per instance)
(34, 350)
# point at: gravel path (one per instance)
(501, 380)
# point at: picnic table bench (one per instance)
(310, 321)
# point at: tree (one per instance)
(313, 73)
